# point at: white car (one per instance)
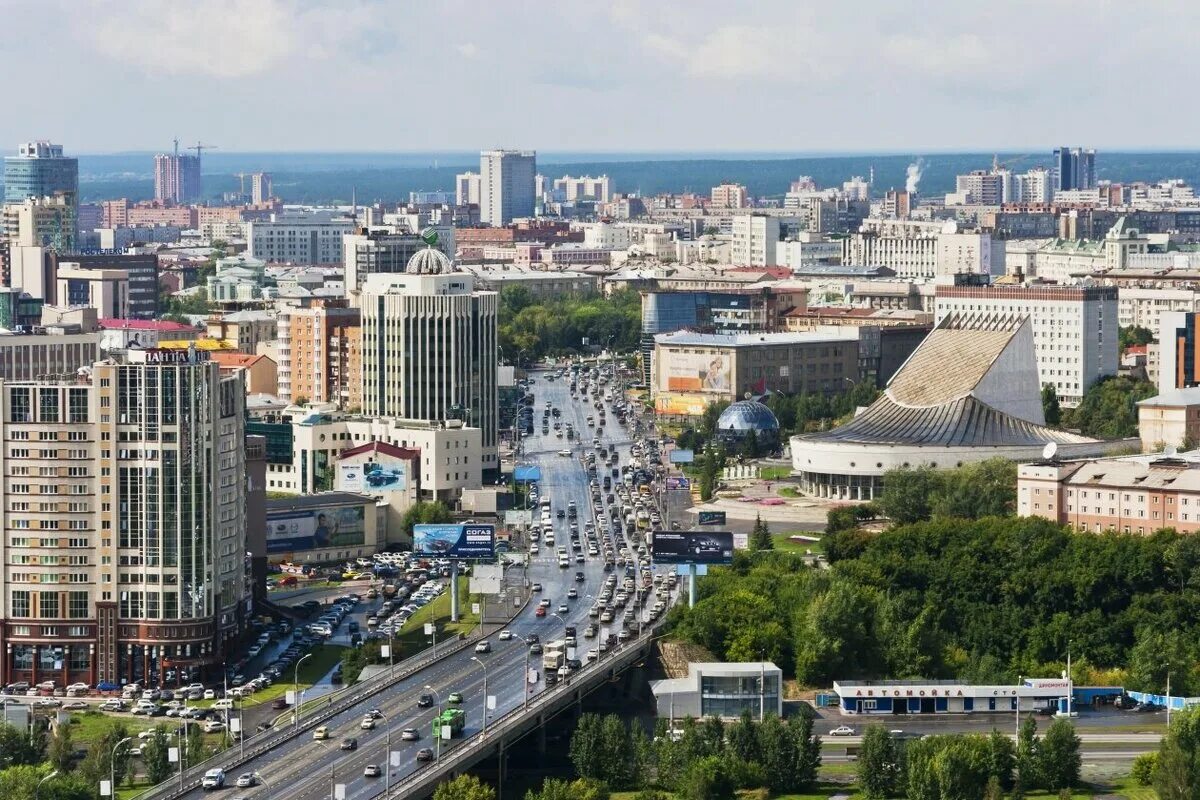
(483, 647)
(565, 453)
(842, 730)
(505, 635)
(213, 779)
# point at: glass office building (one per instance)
(721, 690)
(40, 170)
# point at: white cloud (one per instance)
(220, 38)
(467, 49)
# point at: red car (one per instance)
(540, 612)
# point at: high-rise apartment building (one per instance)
(260, 188)
(1075, 168)
(730, 195)
(40, 222)
(177, 177)
(506, 190)
(980, 187)
(429, 348)
(320, 355)
(1178, 351)
(39, 169)
(1074, 328)
(124, 535)
(467, 189)
(585, 188)
(755, 238)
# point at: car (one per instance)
(349, 743)
(367, 724)
(565, 453)
(540, 611)
(563, 609)
(579, 576)
(410, 735)
(454, 698)
(279, 703)
(535, 649)
(213, 726)
(537, 587)
(372, 771)
(246, 780)
(544, 602)
(213, 779)
(374, 713)
(842, 730)
(425, 701)
(425, 754)
(74, 705)
(572, 593)
(505, 635)
(321, 733)
(210, 694)
(483, 646)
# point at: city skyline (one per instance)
(930, 83)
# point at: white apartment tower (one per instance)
(466, 188)
(755, 239)
(1074, 328)
(429, 348)
(124, 517)
(506, 185)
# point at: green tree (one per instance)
(834, 636)
(1109, 408)
(1132, 335)
(1050, 407)
(984, 489)
(156, 756)
(1002, 758)
(1060, 756)
(707, 778)
(1177, 774)
(790, 753)
(17, 749)
(908, 493)
(558, 789)
(760, 535)
(100, 761)
(743, 739)
(880, 764)
(464, 787)
(1144, 768)
(1028, 776)
(60, 752)
(424, 513)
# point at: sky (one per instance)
(636, 75)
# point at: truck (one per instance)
(554, 655)
(454, 718)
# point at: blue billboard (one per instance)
(465, 540)
(712, 518)
(683, 456)
(289, 530)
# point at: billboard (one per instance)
(685, 405)
(682, 456)
(677, 482)
(692, 547)
(698, 372)
(467, 540)
(310, 529)
(373, 478)
(711, 518)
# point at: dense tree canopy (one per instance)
(1109, 408)
(984, 489)
(984, 600)
(555, 326)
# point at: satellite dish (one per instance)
(1049, 451)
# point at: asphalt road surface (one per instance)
(305, 769)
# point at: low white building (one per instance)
(715, 689)
(953, 697)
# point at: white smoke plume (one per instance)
(912, 175)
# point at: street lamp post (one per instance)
(112, 766)
(258, 777)
(438, 697)
(332, 770)
(387, 754)
(296, 690)
(485, 694)
(38, 788)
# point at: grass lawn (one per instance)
(774, 473)
(412, 637)
(787, 491)
(786, 545)
(325, 657)
(90, 726)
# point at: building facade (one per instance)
(320, 355)
(371, 251)
(506, 189)
(298, 237)
(39, 169)
(1074, 328)
(429, 351)
(755, 239)
(730, 195)
(177, 178)
(124, 527)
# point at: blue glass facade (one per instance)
(39, 177)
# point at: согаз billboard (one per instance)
(467, 540)
(692, 547)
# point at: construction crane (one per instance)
(241, 176)
(198, 147)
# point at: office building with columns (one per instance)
(430, 348)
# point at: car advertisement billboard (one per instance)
(467, 540)
(697, 372)
(311, 529)
(676, 482)
(373, 478)
(692, 547)
(711, 518)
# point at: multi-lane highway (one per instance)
(307, 769)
